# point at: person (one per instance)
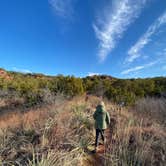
(102, 121)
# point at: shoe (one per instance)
(94, 151)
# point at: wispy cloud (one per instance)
(137, 68)
(135, 51)
(93, 74)
(62, 8)
(21, 70)
(116, 22)
(132, 70)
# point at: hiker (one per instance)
(102, 120)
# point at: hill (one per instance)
(4, 74)
(32, 88)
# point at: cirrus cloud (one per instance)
(135, 51)
(137, 68)
(117, 20)
(62, 8)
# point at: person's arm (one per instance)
(108, 118)
(94, 115)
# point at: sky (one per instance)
(121, 38)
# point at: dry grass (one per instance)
(138, 139)
(59, 134)
(154, 109)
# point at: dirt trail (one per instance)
(97, 159)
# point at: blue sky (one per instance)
(123, 38)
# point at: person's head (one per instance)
(101, 103)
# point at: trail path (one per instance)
(97, 159)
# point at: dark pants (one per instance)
(99, 132)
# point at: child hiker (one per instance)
(102, 121)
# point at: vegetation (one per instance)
(33, 87)
(63, 134)
(47, 121)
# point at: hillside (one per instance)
(4, 75)
(32, 87)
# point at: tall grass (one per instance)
(152, 108)
(140, 137)
(61, 133)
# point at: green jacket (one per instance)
(102, 118)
